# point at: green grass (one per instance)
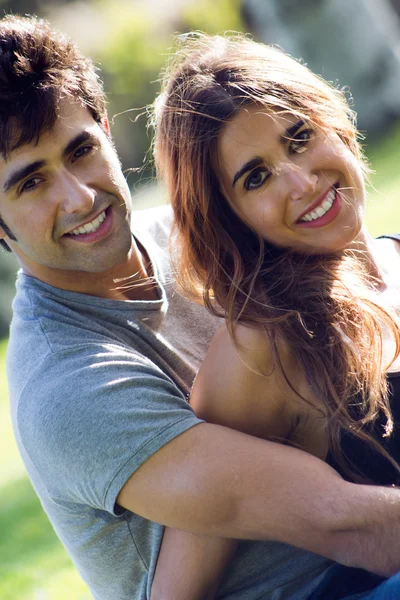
(33, 563)
(383, 205)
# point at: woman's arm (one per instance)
(190, 566)
(229, 390)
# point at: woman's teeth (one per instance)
(90, 227)
(322, 209)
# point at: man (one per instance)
(102, 354)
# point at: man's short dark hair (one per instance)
(38, 68)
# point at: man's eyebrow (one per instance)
(21, 173)
(25, 171)
(251, 164)
(84, 136)
(292, 130)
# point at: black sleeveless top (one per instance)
(361, 456)
(368, 461)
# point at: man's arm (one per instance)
(214, 481)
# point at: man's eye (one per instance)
(82, 151)
(256, 178)
(29, 184)
(298, 143)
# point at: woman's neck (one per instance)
(365, 247)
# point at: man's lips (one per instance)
(88, 220)
(99, 232)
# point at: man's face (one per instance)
(66, 201)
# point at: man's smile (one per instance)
(90, 226)
(93, 230)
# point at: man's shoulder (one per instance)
(152, 228)
(54, 333)
(155, 221)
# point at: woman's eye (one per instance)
(298, 143)
(256, 178)
(29, 184)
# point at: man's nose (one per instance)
(300, 182)
(75, 195)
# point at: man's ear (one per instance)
(3, 244)
(106, 125)
(5, 231)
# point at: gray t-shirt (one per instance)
(97, 386)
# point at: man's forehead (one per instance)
(71, 120)
(68, 110)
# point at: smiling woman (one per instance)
(284, 177)
(266, 177)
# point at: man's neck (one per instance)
(132, 279)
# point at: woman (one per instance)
(266, 177)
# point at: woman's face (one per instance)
(297, 186)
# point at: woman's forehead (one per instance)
(251, 128)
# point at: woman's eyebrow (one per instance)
(250, 164)
(290, 131)
(257, 160)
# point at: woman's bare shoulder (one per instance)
(249, 344)
(237, 385)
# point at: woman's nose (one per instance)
(300, 183)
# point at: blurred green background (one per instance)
(130, 41)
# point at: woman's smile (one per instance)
(324, 211)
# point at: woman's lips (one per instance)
(326, 218)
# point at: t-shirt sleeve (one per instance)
(89, 417)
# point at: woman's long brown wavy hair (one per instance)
(321, 306)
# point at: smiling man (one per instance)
(102, 355)
(64, 198)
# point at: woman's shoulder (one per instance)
(238, 385)
(246, 342)
(390, 241)
(387, 253)
(389, 236)
(246, 354)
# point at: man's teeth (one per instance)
(90, 227)
(322, 208)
